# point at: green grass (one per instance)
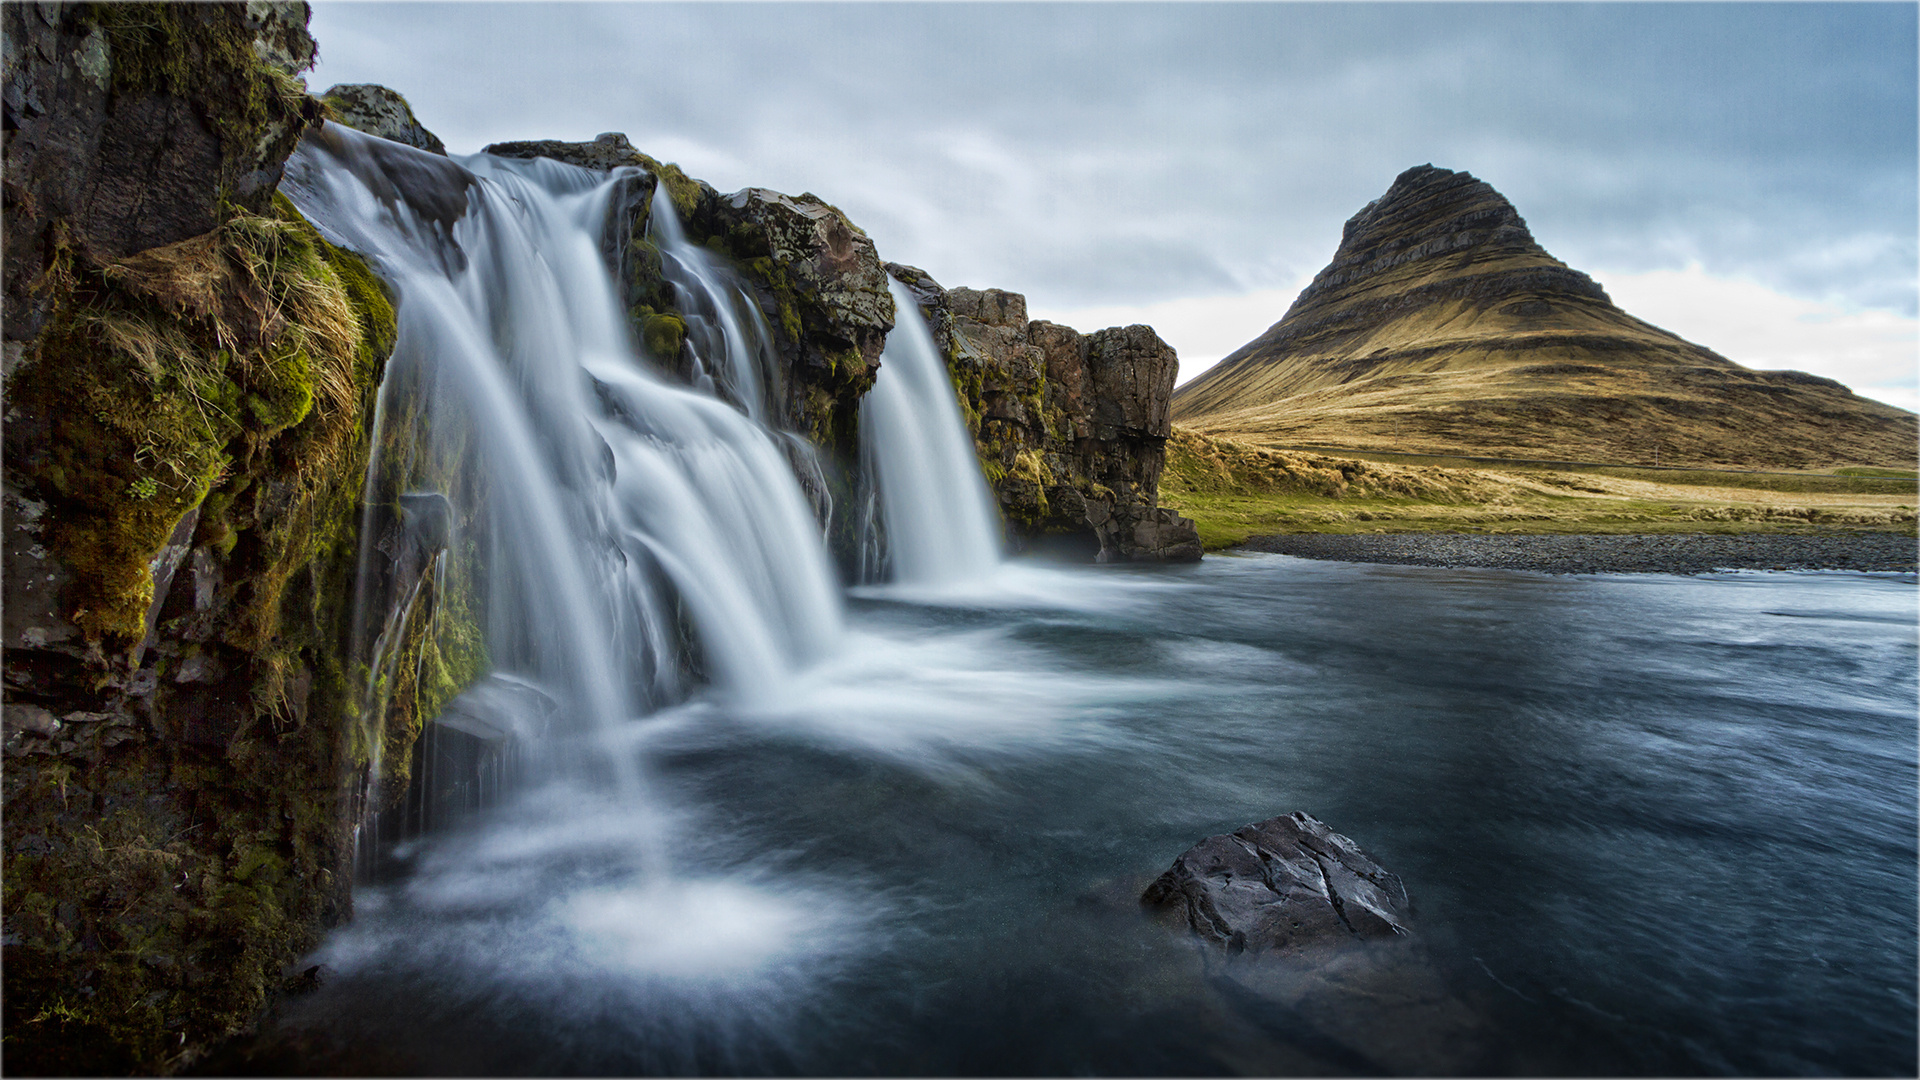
(1233, 491)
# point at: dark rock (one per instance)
(127, 126)
(1283, 885)
(377, 110)
(1071, 428)
(606, 152)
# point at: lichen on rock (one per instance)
(190, 370)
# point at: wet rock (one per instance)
(1303, 937)
(377, 110)
(1281, 886)
(608, 151)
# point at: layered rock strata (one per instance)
(1071, 428)
(1442, 326)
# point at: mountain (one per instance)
(1442, 326)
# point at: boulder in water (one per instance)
(1281, 886)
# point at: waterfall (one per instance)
(728, 342)
(624, 536)
(941, 524)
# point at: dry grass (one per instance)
(1234, 490)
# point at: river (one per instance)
(1650, 825)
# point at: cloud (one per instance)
(1130, 154)
(1876, 353)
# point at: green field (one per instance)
(1233, 490)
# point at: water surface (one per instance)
(1650, 824)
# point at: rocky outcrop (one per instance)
(1441, 326)
(190, 368)
(380, 111)
(1283, 886)
(128, 124)
(1071, 428)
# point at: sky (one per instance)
(1744, 175)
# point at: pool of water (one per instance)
(1650, 824)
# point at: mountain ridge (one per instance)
(1442, 325)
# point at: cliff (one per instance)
(188, 369)
(1442, 326)
(1071, 428)
(205, 690)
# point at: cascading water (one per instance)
(941, 525)
(728, 341)
(651, 586)
(621, 531)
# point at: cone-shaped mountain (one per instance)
(1441, 326)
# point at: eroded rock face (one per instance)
(126, 125)
(1071, 428)
(183, 464)
(1284, 885)
(377, 110)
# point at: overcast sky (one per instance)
(1742, 174)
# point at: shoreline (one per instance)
(1656, 553)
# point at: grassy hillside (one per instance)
(1234, 490)
(1440, 326)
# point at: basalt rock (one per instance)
(377, 110)
(1302, 935)
(128, 124)
(1071, 428)
(190, 371)
(1441, 326)
(1283, 886)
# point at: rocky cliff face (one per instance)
(1441, 326)
(1071, 428)
(189, 366)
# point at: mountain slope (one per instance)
(1440, 325)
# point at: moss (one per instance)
(663, 335)
(170, 878)
(682, 189)
(205, 52)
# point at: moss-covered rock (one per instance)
(191, 369)
(130, 126)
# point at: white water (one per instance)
(727, 336)
(653, 576)
(612, 508)
(942, 526)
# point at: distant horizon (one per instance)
(1742, 175)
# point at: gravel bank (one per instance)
(1651, 554)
